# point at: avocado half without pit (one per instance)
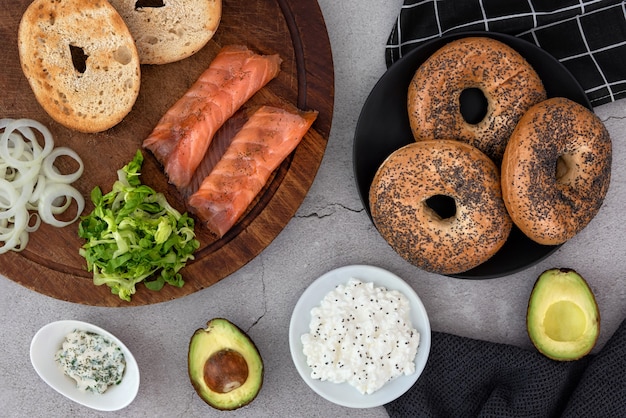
(225, 367)
(563, 320)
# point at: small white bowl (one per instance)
(48, 340)
(343, 393)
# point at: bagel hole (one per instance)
(79, 58)
(564, 168)
(473, 105)
(443, 206)
(148, 3)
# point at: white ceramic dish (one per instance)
(344, 394)
(48, 340)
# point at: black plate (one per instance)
(383, 127)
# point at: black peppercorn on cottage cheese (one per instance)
(361, 334)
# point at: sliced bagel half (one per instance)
(81, 62)
(169, 30)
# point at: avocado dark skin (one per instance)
(224, 364)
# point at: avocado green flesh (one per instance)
(563, 320)
(219, 335)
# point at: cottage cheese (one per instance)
(361, 334)
(94, 362)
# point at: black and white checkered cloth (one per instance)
(587, 36)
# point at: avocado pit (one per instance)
(225, 371)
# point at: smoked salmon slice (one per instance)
(256, 150)
(183, 134)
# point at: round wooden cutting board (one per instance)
(294, 29)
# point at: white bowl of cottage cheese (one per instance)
(359, 336)
(85, 363)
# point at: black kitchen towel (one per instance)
(467, 378)
(587, 37)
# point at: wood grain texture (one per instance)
(294, 29)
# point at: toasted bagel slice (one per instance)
(81, 62)
(169, 30)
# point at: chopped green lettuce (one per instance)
(133, 234)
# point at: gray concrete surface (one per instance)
(330, 230)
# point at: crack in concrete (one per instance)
(188, 408)
(327, 211)
(613, 117)
(263, 292)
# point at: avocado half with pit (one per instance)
(563, 320)
(225, 367)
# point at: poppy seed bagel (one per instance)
(508, 82)
(556, 170)
(399, 203)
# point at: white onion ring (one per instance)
(35, 226)
(30, 181)
(8, 195)
(15, 237)
(38, 190)
(8, 228)
(18, 202)
(25, 178)
(23, 126)
(52, 174)
(16, 145)
(47, 207)
(22, 241)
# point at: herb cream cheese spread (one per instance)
(361, 334)
(94, 362)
